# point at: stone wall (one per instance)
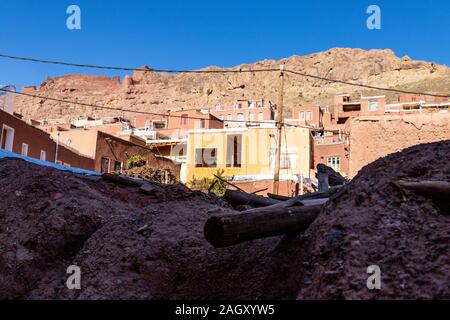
(374, 137)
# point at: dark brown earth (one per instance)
(134, 246)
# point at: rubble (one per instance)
(134, 245)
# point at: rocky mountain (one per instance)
(158, 92)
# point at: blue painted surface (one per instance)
(8, 154)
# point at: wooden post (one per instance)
(279, 120)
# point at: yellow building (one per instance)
(247, 151)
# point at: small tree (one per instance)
(215, 185)
(136, 162)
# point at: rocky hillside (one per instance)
(158, 92)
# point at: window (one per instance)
(240, 117)
(43, 156)
(302, 115)
(229, 117)
(309, 115)
(24, 149)
(234, 151)
(251, 116)
(7, 138)
(104, 165)
(335, 163)
(118, 166)
(159, 125)
(261, 116)
(288, 158)
(201, 124)
(184, 119)
(373, 105)
(206, 158)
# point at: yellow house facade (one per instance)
(248, 151)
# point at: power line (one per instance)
(91, 66)
(144, 112)
(221, 71)
(367, 86)
(119, 109)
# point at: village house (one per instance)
(22, 138)
(307, 115)
(330, 132)
(244, 111)
(109, 153)
(247, 155)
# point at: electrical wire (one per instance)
(220, 71)
(118, 109)
(367, 86)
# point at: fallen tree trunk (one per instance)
(224, 231)
(439, 190)
(237, 198)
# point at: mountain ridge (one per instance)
(159, 92)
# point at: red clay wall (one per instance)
(71, 158)
(374, 137)
(287, 188)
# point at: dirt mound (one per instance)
(134, 246)
(128, 245)
(376, 223)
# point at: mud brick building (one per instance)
(22, 138)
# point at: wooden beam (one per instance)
(439, 190)
(229, 183)
(224, 231)
(237, 198)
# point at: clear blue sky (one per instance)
(194, 34)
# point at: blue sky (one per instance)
(194, 34)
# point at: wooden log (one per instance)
(324, 184)
(327, 176)
(237, 198)
(224, 231)
(312, 195)
(261, 190)
(123, 180)
(439, 190)
(278, 197)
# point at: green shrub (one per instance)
(136, 162)
(204, 184)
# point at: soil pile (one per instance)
(135, 246)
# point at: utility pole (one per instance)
(276, 178)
